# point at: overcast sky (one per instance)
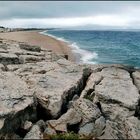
(93, 14)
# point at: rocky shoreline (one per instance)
(43, 95)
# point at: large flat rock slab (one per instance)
(16, 102)
(117, 87)
(53, 82)
(57, 85)
(14, 94)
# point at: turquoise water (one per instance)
(103, 47)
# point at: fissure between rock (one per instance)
(131, 76)
(137, 110)
(75, 90)
(36, 112)
(42, 114)
(73, 128)
(14, 123)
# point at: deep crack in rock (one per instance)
(75, 91)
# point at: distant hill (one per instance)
(4, 29)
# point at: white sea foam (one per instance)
(85, 56)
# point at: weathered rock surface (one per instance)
(83, 113)
(115, 112)
(136, 76)
(27, 125)
(111, 131)
(49, 131)
(15, 95)
(132, 126)
(117, 86)
(93, 80)
(71, 117)
(30, 48)
(34, 133)
(6, 58)
(86, 131)
(15, 99)
(30, 58)
(88, 110)
(42, 93)
(100, 124)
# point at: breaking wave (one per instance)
(85, 55)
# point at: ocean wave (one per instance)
(58, 38)
(85, 55)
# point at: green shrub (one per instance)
(89, 97)
(65, 136)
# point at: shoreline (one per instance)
(50, 42)
(44, 41)
(37, 87)
(76, 56)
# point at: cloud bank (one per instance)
(123, 15)
(101, 20)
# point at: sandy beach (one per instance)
(44, 41)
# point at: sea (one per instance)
(102, 47)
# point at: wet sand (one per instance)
(44, 41)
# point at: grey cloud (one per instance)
(126, 10)
(45, 9)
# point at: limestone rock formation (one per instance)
(136, 76)
(43, 94)
(34, 133)
(117, 86)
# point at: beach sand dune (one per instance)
(44, 41)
